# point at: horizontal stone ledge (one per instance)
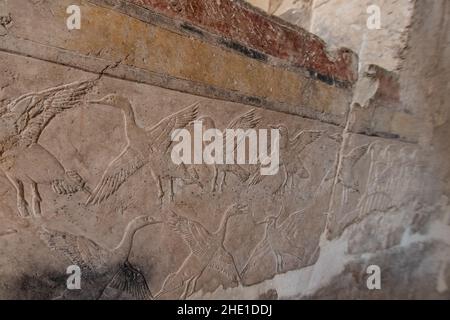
(240, 22)
(378, 110)
(148, 52)
(119, 70)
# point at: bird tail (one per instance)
(76, 184)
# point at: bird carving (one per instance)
(389, 182)
(245, 121)
(278, 240)
(145, 146)
(22, 158)
(102, 267)
(290, 162)
(345, 175)
(207, 252)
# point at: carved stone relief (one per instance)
(87, 180)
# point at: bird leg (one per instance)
(214, 180)
(280, 263)
(36, 200)
(160, 188)
(22, 205)
(193, 177)
(171, 284)
(192, 285)
(285, 181)
(223, 180)
(172, 194)
(188, 287)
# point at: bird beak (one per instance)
(100, 101)
(152, 220)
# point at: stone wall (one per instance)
(297, 12)
(87, 179)
(343, 23)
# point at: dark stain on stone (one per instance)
(321, 77)
(191, 29)
(331, 81)
(251, 53)
(385, 135)
(253, 100)
(40, 286)
(271, 294)
(5, 20)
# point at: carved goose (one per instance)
(290, 150)
(346, 175)
(246, 121)
(101, 266)
(277, 240)
(22, 158)
(207, 251)
(144, 146)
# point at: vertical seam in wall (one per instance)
(338, 166)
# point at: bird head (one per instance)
(207, 122)
(112, 100)
(237, 209)
(283, 129)
(271, 221)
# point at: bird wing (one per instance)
(120, 169)
(40, 108)
(256, 177)
(289, 226)
(303, 139)
(246, 121)
(130, 280)
(351, 159)
(68, 245)
(160, 134)
(262, 249)
(223, 263)
(193, 233)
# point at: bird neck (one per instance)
(130, 119)
(123, 249)
(223, 226)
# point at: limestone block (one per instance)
(344, 23)
(66, 200)
(169, 56)
(374, 177)
(377, 108)
(427, 272)
(293, 11)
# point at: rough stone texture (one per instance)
(297, 12)
(81, 183)
(252, 28)
(343, 23)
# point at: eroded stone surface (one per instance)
(363, 177)
(75, 141)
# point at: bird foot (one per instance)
(23, 209)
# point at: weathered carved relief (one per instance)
(207, 251)
(144, 146)
(290, 153)
(225, 216)
(376, 176)
(279, 240)
(87, 175)
(23, 159)
(101, 267)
